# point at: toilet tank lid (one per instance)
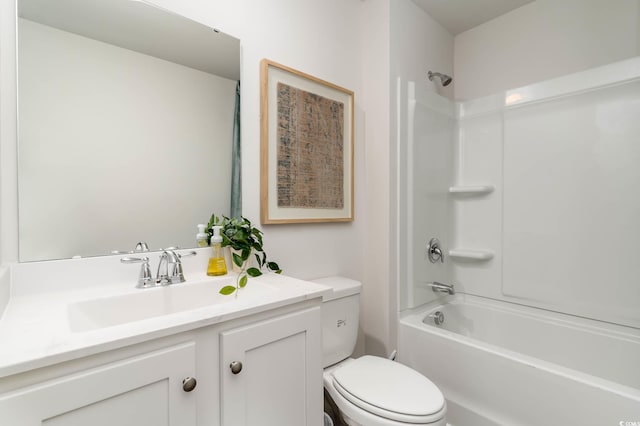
(342, 287)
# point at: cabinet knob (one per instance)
(236, 367)
(189, 384)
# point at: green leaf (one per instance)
(245, 254)
(240, 235)
(257, 234)
(243, 281)
(237, 260)
(254, 272)
(227, 290)
(273, 266)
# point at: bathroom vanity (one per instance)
(114, 354)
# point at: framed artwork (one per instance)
(306, 148)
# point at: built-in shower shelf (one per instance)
(471, 189)
(471, 254)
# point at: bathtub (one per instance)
(500, 363)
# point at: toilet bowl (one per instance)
(374, 391)
(370, 390)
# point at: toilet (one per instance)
(370, 390)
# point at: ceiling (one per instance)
(458, 16)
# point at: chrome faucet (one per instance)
(442, 288)
(169, 269)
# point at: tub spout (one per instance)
(442, 288)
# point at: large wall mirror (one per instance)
(126, 123)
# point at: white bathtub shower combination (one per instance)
(537, 212)
(517, 365)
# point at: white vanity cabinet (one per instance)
(142, 390)
(141, 383)
(271, 372)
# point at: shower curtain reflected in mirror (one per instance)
(236, 166)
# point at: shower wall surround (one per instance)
(544, 211)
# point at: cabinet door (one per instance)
(145, 390)
(280, 383)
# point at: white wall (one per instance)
(93, 124)
(419, 44)
(377, 310)
(544, 39)
(8, 134)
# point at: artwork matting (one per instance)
(306, 148)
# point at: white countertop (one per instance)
(35, 328)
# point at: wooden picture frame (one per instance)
(306, 148)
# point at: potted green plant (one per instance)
(244, 239)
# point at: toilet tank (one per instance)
(340, 318)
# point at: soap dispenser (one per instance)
(202, 237)
(217, 263)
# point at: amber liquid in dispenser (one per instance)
(217, 263)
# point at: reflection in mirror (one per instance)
(126, 116)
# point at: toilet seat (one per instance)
(389, 390)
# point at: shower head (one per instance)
(445, 80)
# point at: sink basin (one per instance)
(149, 303)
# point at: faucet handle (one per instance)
(176, 274)
(142, 247)
(145, 279)
(434, 252)
(187, 254)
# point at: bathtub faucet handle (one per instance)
(434, 252)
